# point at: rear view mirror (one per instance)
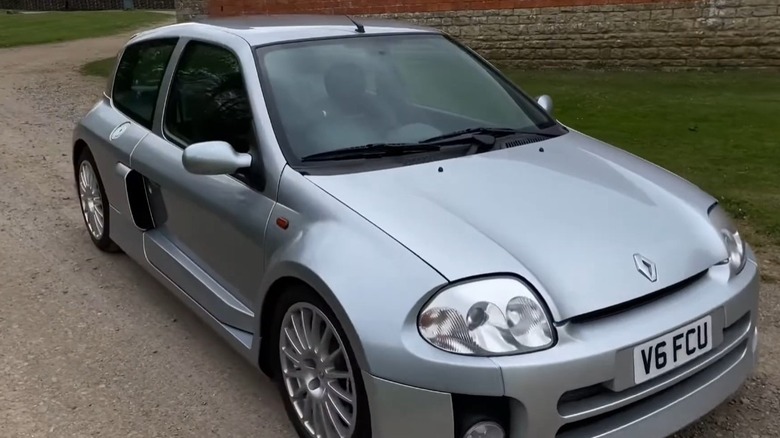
(545, 102)
(214, 158)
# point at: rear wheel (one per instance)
(94, 204)
(317, 375)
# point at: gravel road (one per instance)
(90, 345)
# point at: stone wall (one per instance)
(570, 33)
(81, 5)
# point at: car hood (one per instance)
(568, 214)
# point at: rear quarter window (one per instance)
(138, 77)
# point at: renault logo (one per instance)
(645, 267)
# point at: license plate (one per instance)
(672, 349)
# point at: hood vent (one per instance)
(524, 141)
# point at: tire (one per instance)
(91, 192)
(323, 386)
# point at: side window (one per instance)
(208, 100)
(138, 77)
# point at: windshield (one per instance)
(337, 93)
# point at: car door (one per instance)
(208, 229)
(118, 122)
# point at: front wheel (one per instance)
(94, 205)
(317, 375)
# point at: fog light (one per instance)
(485, 429)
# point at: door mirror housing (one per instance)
(546, 103)
(214, 158)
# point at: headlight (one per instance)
(735, 246)
(486, 317)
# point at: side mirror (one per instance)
(545, 102)
(214, 158)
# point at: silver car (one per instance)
(406, 242)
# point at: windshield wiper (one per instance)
(483, 137)
(494, 132)
(379, 150)
(373, 150)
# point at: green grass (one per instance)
(719, 130)
(25, 29)
(100, 67)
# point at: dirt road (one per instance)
(90, 345)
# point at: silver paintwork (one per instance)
(214, 158)
(546, 102)
(377, 245)
(589, 205)
(405, 411)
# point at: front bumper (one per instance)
(583, 387)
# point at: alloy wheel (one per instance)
(91, 200)
(316, 372)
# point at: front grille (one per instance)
(603, 423)
(597, 409)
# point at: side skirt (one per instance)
(240, 340)
(125, 234)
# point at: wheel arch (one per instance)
(135, 187)
(297, 275)
(266, 318)
(78, 147)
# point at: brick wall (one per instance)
(76, 5)
(666, 34)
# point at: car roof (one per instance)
(267, 29)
